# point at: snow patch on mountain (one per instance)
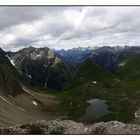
(94, 82)
(35, 103)
(11, 61)
(121, 64)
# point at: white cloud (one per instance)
(68, 27)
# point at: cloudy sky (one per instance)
(68, 27)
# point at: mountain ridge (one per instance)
(106, 56)
(43, 66)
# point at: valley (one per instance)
(38, 84)
(121, 99)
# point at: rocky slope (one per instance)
(71, 127)
(19, 104)
(92, 81)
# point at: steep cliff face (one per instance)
(8, 82)
(43, 66)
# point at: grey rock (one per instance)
(71, 127)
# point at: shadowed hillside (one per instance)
(8, 83)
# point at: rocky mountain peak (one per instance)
(37, 53)
(42, 65)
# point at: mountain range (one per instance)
(58, 83)
(106, 56)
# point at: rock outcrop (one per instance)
(72, 127)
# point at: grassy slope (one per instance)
(130, 76)
(130, 72)
(82, 88)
